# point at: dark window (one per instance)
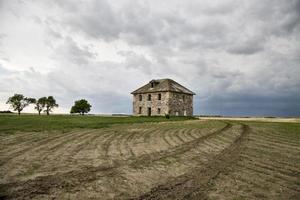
(149, 111)
(159, 96)
(140, 97)
(149, 97)
(152, 85)
(140, 110)
(158, 111)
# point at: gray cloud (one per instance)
(136, 61)
(240, 57)
(248, 46)
(70, 51)
(2, 35)
(243, 104)
(95, 19)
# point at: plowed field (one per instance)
(196, 159)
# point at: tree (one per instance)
(81, 106)
(50, 103)
(18, 102)
(40, 104)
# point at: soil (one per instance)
(170, 160)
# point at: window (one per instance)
(140, 97)
(159, 96)
(140, 110)
(149, 97)
(158, 111)
(152, 85)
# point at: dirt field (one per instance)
(197, 159)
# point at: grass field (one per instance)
(13, 123)
(75, 157)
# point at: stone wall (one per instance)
(154, 104)
(170, 103)
(180, 104)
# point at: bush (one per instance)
(167, 116)
(6, 111)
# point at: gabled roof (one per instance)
(163, 85)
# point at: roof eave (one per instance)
(136, 92)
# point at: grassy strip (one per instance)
(289, 130)
(12, 123)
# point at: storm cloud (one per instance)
(240, 57)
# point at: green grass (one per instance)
(13, 123)
(290, 130)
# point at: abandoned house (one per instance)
(163, 96)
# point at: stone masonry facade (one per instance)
(162, 100)
(180, 104)
(174, 104)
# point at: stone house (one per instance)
(162, 96)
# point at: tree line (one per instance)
(46, 104)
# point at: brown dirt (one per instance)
(182, 160)
(194, 185)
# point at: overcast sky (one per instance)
(240, 57)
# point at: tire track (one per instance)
(147, 136)
(38, 158)
(177, 150)
(172, 137)
(268, 173)
(108, 142)
(187, 134)
(199, 163)
(13, 140)
(275, 164)
(178, 135)
(43, 184)
(40, 144)
(17, 145)
(192, 132)
(261, 168)
(195, 184)
(123, 145)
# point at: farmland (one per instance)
(86, 157)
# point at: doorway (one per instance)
(149, 111)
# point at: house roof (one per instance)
(163, 85)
